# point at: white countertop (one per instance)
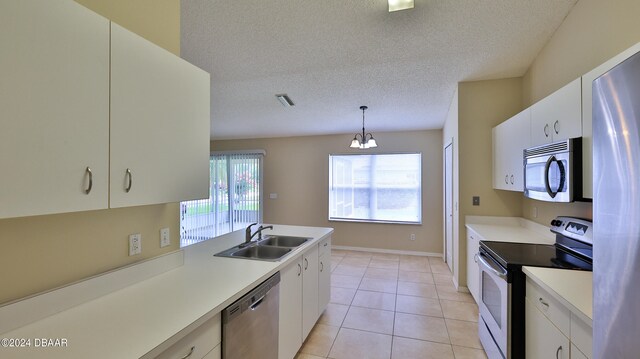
(131, 322)
(509, 229)
(573, 288)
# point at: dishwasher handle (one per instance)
(257, 303)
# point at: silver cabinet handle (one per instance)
(511, 179)
(475, 257)
(189, 353)
(321, 266)
(555, 127)
(558, 352)
(299, 269)
(306, 264)
(130, 177)
(88, 171)
(506, 179)
(543, 302)
(326, 244)
(546, 130)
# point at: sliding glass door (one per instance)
(235, 199)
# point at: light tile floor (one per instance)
(394, 306)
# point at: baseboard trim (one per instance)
(388, 251)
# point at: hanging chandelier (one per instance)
(366, 140)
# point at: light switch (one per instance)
(273, 195)
(165, 240)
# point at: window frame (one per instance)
(358, 220)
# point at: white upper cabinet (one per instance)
(558, 116)
(54, 96)
(91, 110)
(510, 138)
(160, 124)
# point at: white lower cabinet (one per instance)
(324, 284)
(290, 318)
(310, 280)
(203, 342)
(543, 339)
(473, 272)
(304, 294)
(552, 330)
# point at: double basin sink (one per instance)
(270, 248)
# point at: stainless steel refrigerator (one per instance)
(616, 212)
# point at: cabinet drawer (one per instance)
(581, 335)
(203, 340)
(576, 353)
(558, 314)
(216, 353)
(325, 246)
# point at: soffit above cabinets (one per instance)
(332, 56)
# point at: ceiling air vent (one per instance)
(285, 100)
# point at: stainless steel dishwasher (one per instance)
(250, 325)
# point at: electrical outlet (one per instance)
(412, 237)
(165, 240)
(476, 200)
(135, 244)
(534, 212)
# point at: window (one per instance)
(375, 188)
(235, 198)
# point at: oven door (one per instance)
(494, 305)
(549, 177)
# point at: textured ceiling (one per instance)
(331, 56)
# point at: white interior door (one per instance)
(448, 204)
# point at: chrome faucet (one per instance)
(248, 236)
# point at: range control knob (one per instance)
(556, 223)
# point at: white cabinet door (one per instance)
(324, 285)
(543, 340)
(309, 290)
(290, 336)
(510, 138)
(160, 125)
(500, 177)
(54, 99)
(587, 119)
(558, 116)
(473, 272)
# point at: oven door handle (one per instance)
(492, 266)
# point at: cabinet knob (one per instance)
(546, 130)
(90, 174)
(555, 127)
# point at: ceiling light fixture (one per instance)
(366, 141)
(285, 100)
(396, 5)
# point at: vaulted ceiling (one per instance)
(331, 56)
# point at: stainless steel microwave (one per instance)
(553, 172)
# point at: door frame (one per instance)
(446, 145)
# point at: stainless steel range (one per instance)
(501, 324)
